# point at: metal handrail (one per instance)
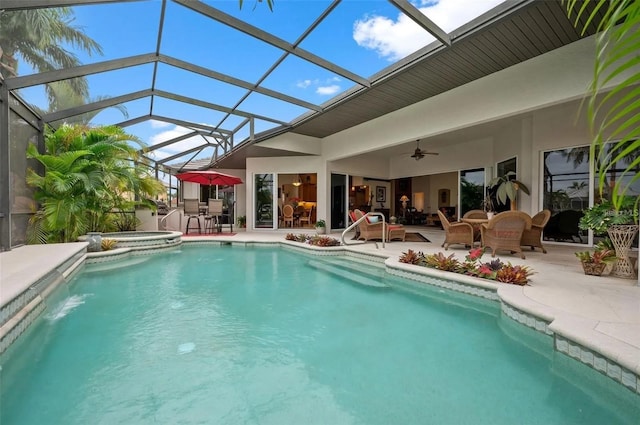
(355, 223)
(163, 220)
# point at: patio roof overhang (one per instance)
(512, 32)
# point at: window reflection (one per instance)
(566, 193)
(471, 190)
(264, 200)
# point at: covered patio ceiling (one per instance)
(510, 33)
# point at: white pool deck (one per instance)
(601, 313)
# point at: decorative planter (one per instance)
(321, 230)
(594, 269)
(490, 215)
(622, 237)
(95, 241)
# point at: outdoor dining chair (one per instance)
(306, 218)
(214, 216)
(192, 210)
(504, 231)
(533, 237)
(456, 233)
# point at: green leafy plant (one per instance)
(613, 113)
(603, 215)
(321, 223)
(507, 187)
(242, 221)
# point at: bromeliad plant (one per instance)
(471, 266)
(315, 240)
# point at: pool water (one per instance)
(234, 335)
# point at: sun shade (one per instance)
(209, 177)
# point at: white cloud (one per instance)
(304, 84)
(177, 147)
(326, 87)
(395, 39)
(159, 124)
(328, 90)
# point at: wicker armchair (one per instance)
(533, 237)
(475, 214)
(504, 231)
(461, 233)
(369, 231)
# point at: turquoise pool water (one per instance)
(232, 335)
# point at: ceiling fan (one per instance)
(418, 154)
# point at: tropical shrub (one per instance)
(89, 173)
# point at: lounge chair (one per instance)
(533, 237)
(504, 231)
(370, 227)
(456, 233)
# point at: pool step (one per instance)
(354, 272)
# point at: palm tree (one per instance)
(614, 116)
(89, 172)
(37, 36)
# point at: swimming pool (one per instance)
(228, 334)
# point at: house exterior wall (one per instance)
(538, 101)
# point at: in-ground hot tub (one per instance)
(144, 239)
(134, 243)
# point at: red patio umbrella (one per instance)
(209, 177)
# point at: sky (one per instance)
(361, 36)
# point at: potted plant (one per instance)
(487, 206)
(242, 221)
(594, 263)
(621, 226)
(321, 227)
(507, 187)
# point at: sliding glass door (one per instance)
(339, 186)
(471, 189)
(263, 201)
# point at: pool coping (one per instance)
(573, 336)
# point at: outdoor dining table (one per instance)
(476, 223)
